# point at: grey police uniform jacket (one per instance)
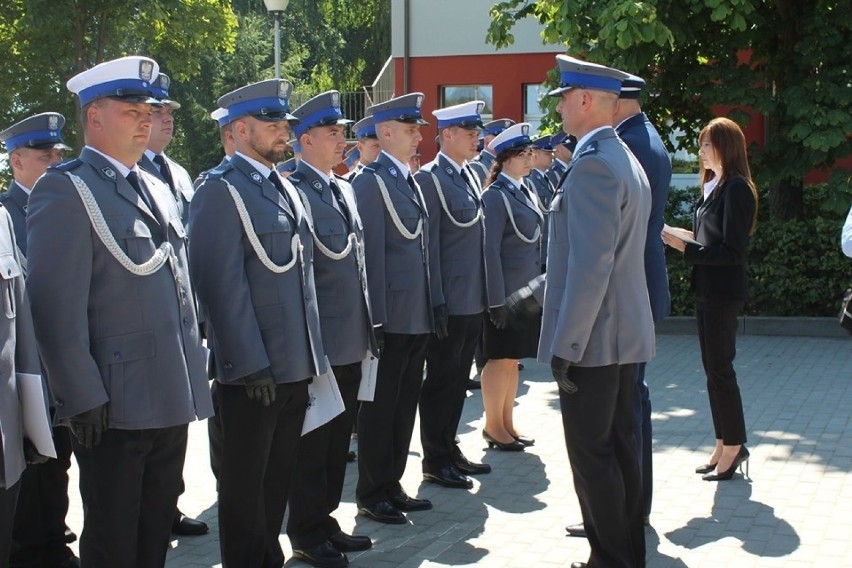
(183, 183)
(15, 200)
(544, 191)
(107, 335)
(596, 308)
(510, 261)
(341, 283)
(255, 318)
(397, 267)
(18, 355)
(482, 165)
(456, 251)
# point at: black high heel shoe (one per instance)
(525, 440)
(513, 446)
(739, 461)
(706, 468)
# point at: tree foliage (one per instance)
(786, 59)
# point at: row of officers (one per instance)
(313, 292)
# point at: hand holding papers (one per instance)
(677, 238)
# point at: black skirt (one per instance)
(515, 342)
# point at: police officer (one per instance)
(456, 230)
(155, 162)
(542, 158)
(18, 361)
(482, 164)
(41, 534)
(117, 332)
(351, 159)
(251, 260)
(367, 144)
(396, 239)
(347, 331)
(563, 148)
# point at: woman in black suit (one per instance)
(725, 216)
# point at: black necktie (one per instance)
(338, 196)
(413, 186)
(472, 186)
(133, 180)
(160, 160)
(276, 181)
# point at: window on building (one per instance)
(457, 94)
(533, 94)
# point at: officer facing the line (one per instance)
(251, 258)
(456, 232)
(347, 331)
(396, 235)
(117, 332)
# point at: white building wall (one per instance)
(457, 27)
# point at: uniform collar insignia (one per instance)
(256, 177)
(392, 171)
(449, 170)
(317, 185)
(108, 172)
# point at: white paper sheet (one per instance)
(324, 401)
(683, 234)
(36, 419)
(369, 368)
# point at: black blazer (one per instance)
(722, 224)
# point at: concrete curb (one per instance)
(762, 325)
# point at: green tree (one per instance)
(788, 60)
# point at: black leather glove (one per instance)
(31, 454)
(442, 320)
(500, 316)
(522, 304)
(260, 387)
(559, 368)
(88, 427)
(380, 338)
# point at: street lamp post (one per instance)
(276, 8)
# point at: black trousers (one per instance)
(643, 431)
(321, 468)
(214, 432)
(598, 423)
(385, 425)
(129, 483)
(39, 536)
(259, 449)
(717, 335)
(8, 500)
(445, 388)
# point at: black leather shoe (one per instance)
(186, 526)
(383, 512)
(473, 385)
(405, 503)
(323, 555)
(351, 456)
(576, 530)
(449, 476)
(520, 366)
(350, 542)
(468, 467)
(525, 440)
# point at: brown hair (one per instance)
(728, 141)
(502, 158)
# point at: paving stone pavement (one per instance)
(795, 511)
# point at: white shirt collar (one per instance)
(325, 177)
(709, 187)
(262, 168)
(26, 189)
(516, 182)
(122, 169)
(150, 154)
(564, 165)
(403, 168)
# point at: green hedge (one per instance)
(795, 268)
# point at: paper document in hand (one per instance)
(683, 234)
(37, 427)
(324, 401)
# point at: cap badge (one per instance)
(419, 101)
(53, 122)
(108, 172)
(165, 82)
(525, 130)
(256, 177)
(335, 100)
(283, 90)
(146, 70)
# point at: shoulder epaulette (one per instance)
(218, 171)
(68, 165)
(590, 148)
